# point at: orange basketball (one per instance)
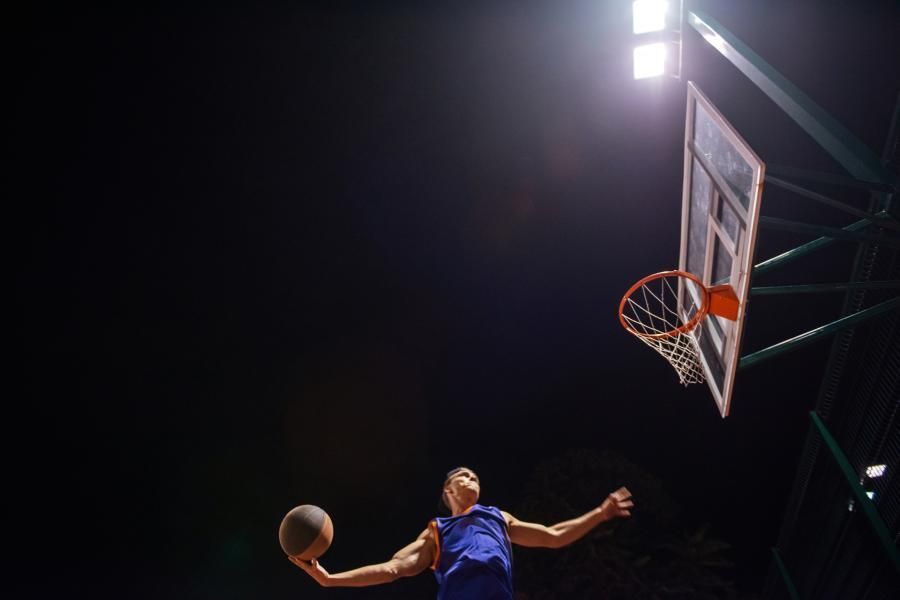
(306, 532)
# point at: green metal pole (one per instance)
(864, 502)
(810, 336)
(823, 287)
(830, 179)
(788, 581)
(832, 232)
(836, 139)
(887, 223)
(795, 253)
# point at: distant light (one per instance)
(871, 495)
(649, 60)
(649, 15)
(875, 471)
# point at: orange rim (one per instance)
(701, 311)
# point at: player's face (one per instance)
(464, 487)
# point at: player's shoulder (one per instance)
(499, 513)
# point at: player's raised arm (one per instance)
(410, 560)
(617, 505)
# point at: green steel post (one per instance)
(863, 501)
(788, 581)
(832, 232)
(823, 287)
(810, 336)
(836, 139)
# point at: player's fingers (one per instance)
(625, 513)
(626, 504)
(301, 563)
(624, 491)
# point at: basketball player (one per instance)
(470, 551)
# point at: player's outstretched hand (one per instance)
(313, 569)
(618, 504)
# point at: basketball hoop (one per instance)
(664, 311)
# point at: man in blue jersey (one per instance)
(470, 551)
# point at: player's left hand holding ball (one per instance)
(313, 569)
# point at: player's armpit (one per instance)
(414, 558)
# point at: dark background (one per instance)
(267, 255)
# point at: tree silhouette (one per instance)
(649, 556)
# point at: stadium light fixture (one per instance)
(649, 60)
(658, 38)
(649, 15)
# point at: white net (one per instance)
(651, 311)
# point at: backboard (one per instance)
(723, 181)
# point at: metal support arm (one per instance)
(830, 179)
(836, 139)
(832, 232)
(807, 248)
(810, 336)
(824, 287)
(884, 220)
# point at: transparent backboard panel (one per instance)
(700, 198)
(712, 142)
(729, 220)
(723, 260)
(722, 189)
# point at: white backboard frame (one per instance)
(721, 194)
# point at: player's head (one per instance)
(461, 489)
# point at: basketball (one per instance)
(305, 532)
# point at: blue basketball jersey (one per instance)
(473, 560)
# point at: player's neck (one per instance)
(461, 510)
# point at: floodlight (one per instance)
(875, 471)
(649, 60)
(649, 15)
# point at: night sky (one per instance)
(324, 252)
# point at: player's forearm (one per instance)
(575, 529)
(368, 575)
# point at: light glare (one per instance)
(875, 471)
(649, 60)
(649, 15)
